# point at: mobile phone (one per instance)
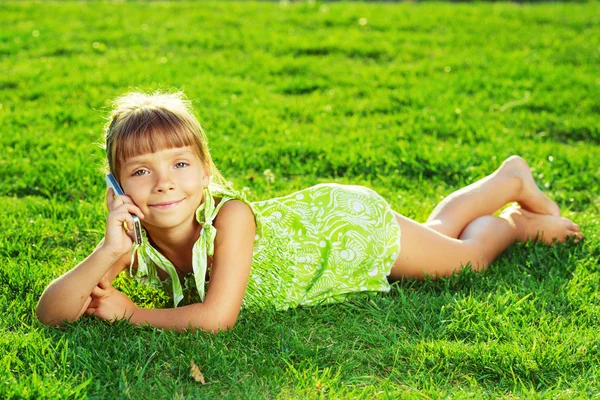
(111, 182)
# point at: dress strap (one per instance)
(205, 245)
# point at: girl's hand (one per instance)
(116, 240)
(109, 304)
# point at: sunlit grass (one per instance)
(412, 100)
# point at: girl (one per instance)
(317, 245)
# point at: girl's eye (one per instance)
(139, 170)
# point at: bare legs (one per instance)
(511, 182)
(462, 229)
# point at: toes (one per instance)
(577, 236)
(567, 223)
(570, 225)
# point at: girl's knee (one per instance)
(475, 256)
(477, 259)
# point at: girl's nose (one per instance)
(164, 183)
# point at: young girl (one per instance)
(314, 246)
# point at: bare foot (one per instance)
(530, 197)
(539, 227)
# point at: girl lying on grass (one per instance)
(314, 246)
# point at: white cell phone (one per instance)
(111, 182)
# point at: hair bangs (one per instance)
(151, 131)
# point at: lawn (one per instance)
(413, 100)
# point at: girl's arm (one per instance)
(67, 297)
(232, 260)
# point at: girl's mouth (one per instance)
(166, 205)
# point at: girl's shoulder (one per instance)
(233, 203)
(235, 212)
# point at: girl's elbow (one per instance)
(51, 319)
(211, 318)
(218, 325)
(42, 315)
(224, 326)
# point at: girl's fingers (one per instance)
(90, 311)
(97, 292)
(113, 202)
(130, 208)
(104, 284)
(120, 225)
(94, 303)
(85, 306)
(122, 219)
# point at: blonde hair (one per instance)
(145, 123)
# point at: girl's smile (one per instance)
(166, 205)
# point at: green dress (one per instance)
(314, 246)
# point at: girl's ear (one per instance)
(205, 174)
(206, 177)
(205, 180)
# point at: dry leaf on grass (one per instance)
(195, 373)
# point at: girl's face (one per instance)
(166, 185)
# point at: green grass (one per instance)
(420, 101)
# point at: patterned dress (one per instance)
(315, 246)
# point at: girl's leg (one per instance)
(511, 182)
(425, 251)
